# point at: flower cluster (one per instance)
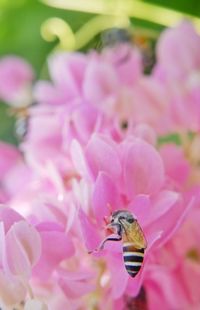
(103, 136)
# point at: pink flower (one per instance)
(92, 79)
(11, 166)
(177, 166)
(72, 74)
(76, 284)
(92, 148)
(176, 264)
(20, 251)
(52, 234)
(177, 70)
(67, 72)
(139, 187)
(29, 253)
(127, 62)
(9, 157)
(16, 77)
(178, 52)
(42, 146)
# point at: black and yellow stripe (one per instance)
(133, 258)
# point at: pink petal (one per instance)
(100, 81)
(89, 231)
(130, 68)
(163, 203)
(152, 241)
(143, 169)
(9, 217)
(119, 275)
(9, 157)
(15, 75)
(78, 158)
(164, 290)
(105, 197)
(149, 102)
(102, 155)
(118, 304)
(67, 71)
(178, 50)
(82, 195)
(140, 207)
(52, 234)
(190, 270)
(3, 246)
(76, 283)
(50, 123)
(169, 222)
(12, 291)
(23, 248)
(15, 185)
(145, 132)
(29, 239)
(146, 210)
(134, 285)
(176, 165)
(47, 93)
(84, 119)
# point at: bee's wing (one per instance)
(135, 235)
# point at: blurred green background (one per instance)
(20, 34)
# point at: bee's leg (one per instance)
(109, 238)
(116, 238)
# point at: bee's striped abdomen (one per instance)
(133, 258)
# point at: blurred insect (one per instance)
(22, 115)
(143, 39)
(21, 124)
(114, 36)
(127, 229)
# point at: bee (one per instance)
(21, 125)
(127, 229)
(141, 38)
(22, 116)
(114, 36)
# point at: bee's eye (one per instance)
(130, 220)
(112, 220)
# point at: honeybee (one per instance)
(114, 36)
(143, 39)
(22, 116)
(127, 229)
(21, 124)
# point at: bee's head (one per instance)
(123, 217)
(114, 36)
